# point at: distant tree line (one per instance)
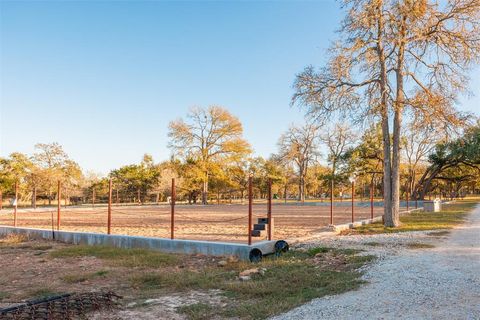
(212, 161)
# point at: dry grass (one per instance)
(288, 281)
(13, 239)
(138, 275)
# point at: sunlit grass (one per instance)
(120, 257)
(451, 215)
(287, 282)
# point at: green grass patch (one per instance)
(119, 257)
(197, 311)
(41, 293)
(82, 277)
(439, 233)
(288, 281)
(451, 215)
(419, 245)
(4, 295)
(42, 247)
(312, 252)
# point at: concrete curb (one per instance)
(341, 227)
(242, 251)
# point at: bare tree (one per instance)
(393, 57)
(418, 142)
(299, 145)
(338, 139)
(211, 137)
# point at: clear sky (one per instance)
(105, 78)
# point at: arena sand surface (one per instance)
(222, 222)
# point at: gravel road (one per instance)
(434, 283)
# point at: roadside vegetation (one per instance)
(234, 288)
(451, 215)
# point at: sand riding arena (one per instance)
(215, 222)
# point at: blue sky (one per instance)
(104, 79)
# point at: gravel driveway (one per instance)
(435, 283)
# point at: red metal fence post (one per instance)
(371, 199)
(172, 211)
(408, 207)
(59, 197)
(250, 200)
(109, 220)
(331, 202)
(34, 197)
(15, 205)
(269, 209)
(353, 201)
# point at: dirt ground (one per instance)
(155, 285)
(29, 272)
(194, 222)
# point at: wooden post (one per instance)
(331, 202)
(59, 197)
(172, 211)
(1, 200)
(109, 219)
(269, 209)
(117, 195)
(93, 196)
(353, 201)
(250, 200)
(15, 205)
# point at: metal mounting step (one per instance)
(258, 233)
(263, 220)
(260, 226)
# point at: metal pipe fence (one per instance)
(175, 218)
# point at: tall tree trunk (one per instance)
(205, 190)
(420, 190)
(393, 220)
(428, 181)
(34, 197)
(387, 174)
(301, 186)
